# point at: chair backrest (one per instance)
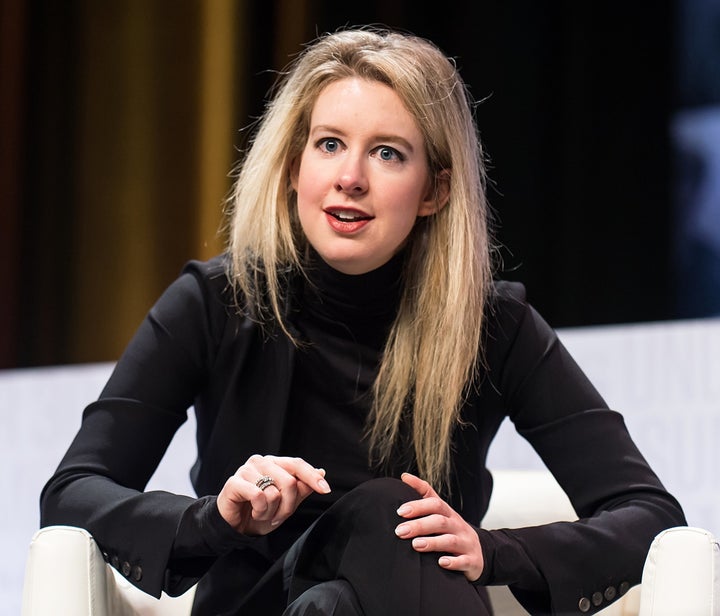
(526, 498)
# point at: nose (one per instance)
(352, 177)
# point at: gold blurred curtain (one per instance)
(126, 122)
(155, 129)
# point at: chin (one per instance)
(351, 265)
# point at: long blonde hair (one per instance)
(432, 351)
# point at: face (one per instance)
(362, 179)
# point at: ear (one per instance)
(437, 194)
(294, 172)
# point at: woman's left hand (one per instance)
(434, 526)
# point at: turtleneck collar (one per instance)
(361, 307)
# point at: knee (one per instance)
(369, 509)
(377, 500)
(385, 491)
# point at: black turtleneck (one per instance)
(343, 322)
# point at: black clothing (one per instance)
(342, 322)
(195, 349)
(354, 541)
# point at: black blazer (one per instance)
(194, 349)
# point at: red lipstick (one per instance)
(346, 220)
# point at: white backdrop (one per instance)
(664, 378)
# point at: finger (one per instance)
(237, 490)
(283, 495)
(455, 557)
(254, 469)
(424, 507)
(287, 492)
(460, 551)
(422, 487)
(234, 502)
(259, 467)
(291, 476)
(263, 508)
(266, 500)
(448, 543)
(290, 493)
(429, 525)
(467, 565)
(255, 474)
(312, 477)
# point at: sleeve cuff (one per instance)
(507, 563)
(204, 532)
(488, 550)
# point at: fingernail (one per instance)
(324, 486)
(404, 510)
(402, 530)
(419, 543)
(444, 561)
(274, 522)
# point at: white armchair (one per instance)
(67, 576)
(681, 576)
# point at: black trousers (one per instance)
(350, 563)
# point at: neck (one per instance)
(364, 305)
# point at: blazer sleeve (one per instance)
(99, 483)
(570, 567)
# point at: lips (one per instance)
(346, 220)
(347, 215)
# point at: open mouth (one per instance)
(348, 215)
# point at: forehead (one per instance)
(362, 102)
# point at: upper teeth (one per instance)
(346, 216)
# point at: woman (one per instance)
(351, 336)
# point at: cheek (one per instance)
(307, 183)
(405, 200)
(306, 198)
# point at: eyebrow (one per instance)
(383, 138)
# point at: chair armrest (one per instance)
(66, 575)
(682, 574)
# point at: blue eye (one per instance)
(387, 153)
(330, 145)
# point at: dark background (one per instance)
(105, 116)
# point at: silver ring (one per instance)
(265, 482)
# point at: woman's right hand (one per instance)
(252, 511)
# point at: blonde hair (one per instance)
(431, 354)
